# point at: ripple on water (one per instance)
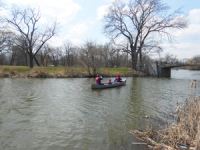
(68, 114)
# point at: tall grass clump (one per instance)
(38, 72)
(17, 71)
(182, 134)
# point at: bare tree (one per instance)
(69, 51)
(25, 22)
(143, 24)
(169, 59)
(17, 45)
(7, 45)
(111, 55)
(55, 55)
(5, 37)
(44, 54)
(194, 60)
(3, 60)
(90, 57)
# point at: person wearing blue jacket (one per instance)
(98, 79)
(118, 78)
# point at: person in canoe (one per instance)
(109, 81)
(118, 78)
(98, 79)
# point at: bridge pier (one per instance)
(163, 71)
(166, 72)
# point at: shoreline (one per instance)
(60, 75)
(64, 72)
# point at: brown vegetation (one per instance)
(184, 133)
(62, 72)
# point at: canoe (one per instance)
(105, 85)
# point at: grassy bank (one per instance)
(62, 72)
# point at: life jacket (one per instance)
(97, 80)
(109, 82)
(118, 79)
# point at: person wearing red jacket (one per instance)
(98, 79)
(118, 78)
(109, 81)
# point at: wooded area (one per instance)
(141, 25)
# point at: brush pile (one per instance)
(182, 134)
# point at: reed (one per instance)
(184, 133)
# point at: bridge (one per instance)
(163, 69)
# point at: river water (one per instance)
(66, 114)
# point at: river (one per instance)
(66, 114)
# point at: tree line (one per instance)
(140, 26)
(89, 55)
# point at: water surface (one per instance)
(49, 114)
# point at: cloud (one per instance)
(193, 30)
(194, 16)
(192, 34)
(105, 40)
(187, 39)
(4, 12)
(112, 1)
(77, 30)
(101, 11)
(182, 50)
(76, 41)
(55, 41)
(62, 11)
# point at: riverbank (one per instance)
(184, 133)
(63, 72)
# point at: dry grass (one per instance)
(14, 71)
(61, 72)
(185, 132)
(187, 129)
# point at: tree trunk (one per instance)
(140, 51)
(134, 61)
(42, 59)
(36, 61)
(31, 59)
(13, 56)
(25, 58)
(133, 57)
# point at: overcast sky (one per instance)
(81, 20)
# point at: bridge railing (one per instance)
(178, 62)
